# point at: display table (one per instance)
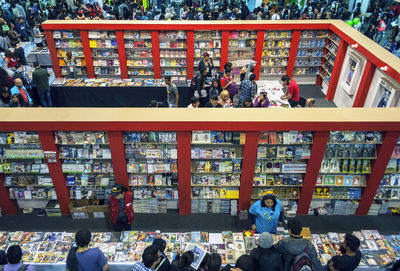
(63, 96)
(274, 90)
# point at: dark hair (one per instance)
(167, 78)
(228, 70)
(214, 262)
(14, 254)
(9, 53)
(160, 244)
(245, 263)
(294, 226)
(186, 259)
(21, 101)
(248, 99)
(339, 262)
(285, 78)
(4, 90)
(204, 261)
(83, 237)
(153, 103)
(194, 100)
(352, 242)
(228, 65)
(271, 197)
(36, 64)
(3, 257)
(252, 77)
(17, 66)
(150, 255)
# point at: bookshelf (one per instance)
(104, 53)
(26, 174)
(310, 52)
(139, 54)
(153, 170)
(329, 57)
(241, 48)
(275, 53)
(216, 169)
(173, 53)
(208, 42)
(70, 41)
(86, 163)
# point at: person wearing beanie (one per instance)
(265, 255)
(164, 264)
(265, 214)
(121, 208)
(14, 259)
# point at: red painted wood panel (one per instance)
(156, 54)
(248, 166)
(55, 169)
(190, 54)
(259, 51)
(8, 206)
(384, 152)
(122, 54)
(337, 69)
(365, 84)
(87, 51)
(53, 53)
(184, 172)
(117, 149)
(224, 48)
(293, 53)
(314, 164)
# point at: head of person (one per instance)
(214, 100)
(269, 201)
(214, 262)
(195, 102)
(262, 96)
(5, 93)
(265, 241)
(20, 20)
(310, 102)
(304, 15)
(351, 242)
(244, 263)
(203, 72)
(228, 71)
(17, 98)
(14, 254)
(215, 83)
(83, 237)
(18, 82)
(153, 103)
(294, 227)
(9, 53)
(18, 66)
(228, 65)
(36, 65)
(160, 244)
(248, 102)
(337, 263)
(167, 80)
(285, 79)
(206, 56)
(118, 191)
(186, 259)
(151, 256)
(252, 77)
(224, 95)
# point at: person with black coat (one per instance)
(370, 33)
(265, 256)
(164, 263)
(183, 262)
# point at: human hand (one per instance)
(282, 97)
(253, 227)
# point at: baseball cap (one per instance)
(117, 189)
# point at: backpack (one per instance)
(302, 262)
(22, 268)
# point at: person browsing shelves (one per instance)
(292, 93)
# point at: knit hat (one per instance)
(265, 240)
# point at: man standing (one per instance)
(351, 254)
(292, 93)
(40, 78)
(248, 88)
(172, 93)
(121, 208)
(20, 89)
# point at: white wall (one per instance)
(374, 88)
(342, 99)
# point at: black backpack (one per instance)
(302, 262)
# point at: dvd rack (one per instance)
(241, 48)
(153, 169)
(328, 61)
(139, 54)
(208, 42)
(104, 53)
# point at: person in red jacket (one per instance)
(121, 208)
(292, 93)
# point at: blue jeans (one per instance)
(45, 98)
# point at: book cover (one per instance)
(199, 254)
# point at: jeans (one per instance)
(122, 225)
(380, 35)
(293, 103)
(45, 98)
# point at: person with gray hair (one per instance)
(265, 255)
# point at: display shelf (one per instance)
(241, 48)
(331, 50)
(104, 41)
(139, 53)
(173, 43)
(208, 42)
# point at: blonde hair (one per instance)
(224, 93)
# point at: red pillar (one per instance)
(53, 53)
(55, 169)
(384, 152)
(224, 48)
(117, 149)
(337, 69)
(88, 53)
(184, 172)
(248, 166)
(365, 84)
(190, 53)
(156, 54)
(8, 206)
(314, 164)
(293, 53)
(122, 54)
(259, 50)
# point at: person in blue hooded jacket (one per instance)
(266, 214)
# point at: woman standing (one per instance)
(265, 214)
(206, 64)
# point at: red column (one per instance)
(365, 84)
(259, 50)
(184, 172)
(117, 149)
(310, 178)
(190, 53)
(156, 54)
(122, 54)
(248, 166)
(384, 152)
(53, 53)
(8, 206)
(224, 48)
(337, 69)
(88, 53)
(293, 52)
(55, 169)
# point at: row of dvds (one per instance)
(278, 180)
(149, 137)
(216, 180)
(10, 153)
(138, 44)
(215, 193)
(216, 153)
(275, 53)
(390, 180)
(107, 82)
(341, 180)
(19, 137)
(156, 153)
(355, 137)
(150, 206)
(286, 138)
(91, 193)
(215, 206)
(86, 152)
(77, 137)
(216, 166)
(393, 166)
(346, 166)
(279, 166)
(205, 137)
(86, 167)
(27, 181)
(279, 192)
(274, 62)
(337, 193)
(169, 179)
(155, 192)
(387, 193)
(348, 151)
(18, 167)
(89, 180)
(29, 194)
(284, 152)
